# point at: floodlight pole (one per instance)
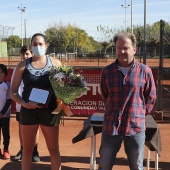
(131, 16)
(25, 30)
(22, 10)
(144, 36)
(124, 6)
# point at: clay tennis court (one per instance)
(77, 156)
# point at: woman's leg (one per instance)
(20, 138)
(37, 138)
(28, 133)
(18, 156)
(35, 154)
(51, 136)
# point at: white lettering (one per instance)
(93, 88)
(100, 103)
(84, 107)
(101, 108)
(88, 103)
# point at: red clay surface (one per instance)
(13, 61)
(77, 156)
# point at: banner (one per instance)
(89, 102)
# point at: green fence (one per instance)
(3, 49)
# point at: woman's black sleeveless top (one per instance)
(38, 78)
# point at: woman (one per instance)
(25, 53)
(35, 72)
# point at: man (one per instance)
(129, 93)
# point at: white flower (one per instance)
(59, 78)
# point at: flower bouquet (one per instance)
(67, 86)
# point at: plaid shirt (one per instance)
(128, 98)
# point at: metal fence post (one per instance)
(159, 89)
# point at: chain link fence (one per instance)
(5, 31)
(164, 74)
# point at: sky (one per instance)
(39, 15)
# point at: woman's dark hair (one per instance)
(24, 48)
(39, 34)
(4, 69)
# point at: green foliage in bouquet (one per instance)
(66, 84)
(56, 119)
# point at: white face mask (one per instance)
(39, 51)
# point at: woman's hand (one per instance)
(31, 105)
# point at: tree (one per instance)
(13, 41)
(69, 37)
(166, 33)
(106, 36)
(152, 36)
(96, 45)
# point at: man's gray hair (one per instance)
(129, 35)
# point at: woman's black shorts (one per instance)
(18, 116)
(41, 116)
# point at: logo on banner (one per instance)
(88, 102)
